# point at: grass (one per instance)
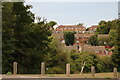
(87, 75)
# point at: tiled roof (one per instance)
(93, 48)
(103, 35)
(94, 26)
(70, 26)
(83, 35)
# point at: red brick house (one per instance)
(92, 29)
(77, 29)
(81, 38)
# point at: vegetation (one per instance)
(30, 43)
(116, 55)
(69, 38)
(57, 59)
(80, 24)
(93, 40)
(52, 23)
(103, 41)
(104, 27)
(23, 40)
(101, 63)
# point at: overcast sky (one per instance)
(71, 13)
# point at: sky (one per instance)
(72, 13)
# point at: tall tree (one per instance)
(93, 40)
(8, 46)
(23, 41)
(116, 53)
(69, 38)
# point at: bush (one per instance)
(56, 70)
(9, 72)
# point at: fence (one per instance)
(115, 72)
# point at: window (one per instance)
(63, 41)
(57, 31)
(96, 51)
(77, 41)
(80, 31)
(80, 37)
(59, 37)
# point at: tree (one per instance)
(80, 24)
(8, 46)
(52, 23)
(69, 38)
(116, 53)
(113, 32)
(56, 58)
(112, 37)
(104, 27)
(23, 41)
(78, 59)
(103, 41)
(93, 40)
(102, 22)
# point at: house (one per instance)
(82, 38)
(92, 29)
(77, 29)
(100, 50)
(79, 38)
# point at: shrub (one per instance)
(56, 70)
(9, 72)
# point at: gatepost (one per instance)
(93, 71)
(68, 69)
(15, 68)
(43, 68)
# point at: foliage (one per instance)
(79, 58)
(103, 41)
(105, 64)
(104, 27)
(23, 41)
(112, 37)
(52, 23)
(69, 38)
(93, 40)
(116, 55)
(9, 73)
(101, 63)
(8, 39)
(80, 24)
(56, 70)
(30, 43)
(58, 57)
